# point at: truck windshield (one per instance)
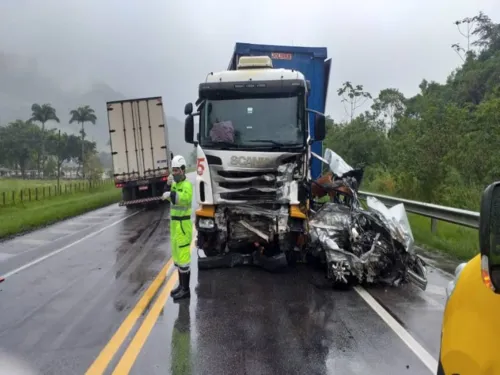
(253, 122)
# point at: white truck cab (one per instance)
(253, 155)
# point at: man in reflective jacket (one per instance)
(181, 227)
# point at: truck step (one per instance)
(139, 201)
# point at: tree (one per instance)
(65, 148)
(389, 103)
(43, 113)
(89, 147)
(487, 34)
(469, 22)
(353, 96)
(93, 167)
(20, 139)
(81, 115)
(361, 141)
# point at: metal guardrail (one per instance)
(457, 216)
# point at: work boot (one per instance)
(184, 292)
(178, 288)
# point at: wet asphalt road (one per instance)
(79, 282)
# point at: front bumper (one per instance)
(229, 260)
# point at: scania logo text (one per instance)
(251, 161)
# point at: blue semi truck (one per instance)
(260, 122)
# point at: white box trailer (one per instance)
(139, 148)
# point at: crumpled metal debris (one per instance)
(264, 217)
(358, 245)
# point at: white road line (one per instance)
(51, 254)
(429, 361)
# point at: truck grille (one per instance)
(237, 186)
(250, 195)
(244, 185)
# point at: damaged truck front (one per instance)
(253, 161)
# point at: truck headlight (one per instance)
(206, 223)
(453, 283)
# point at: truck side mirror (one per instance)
(188, 109)
(319, 128)
(489, 236)
(189, 129)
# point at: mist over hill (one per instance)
(22, 84)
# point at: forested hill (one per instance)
(441, 145)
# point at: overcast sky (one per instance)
(166, 47)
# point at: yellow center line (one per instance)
(102, 361)
(129, 357)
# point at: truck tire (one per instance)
(126, 194)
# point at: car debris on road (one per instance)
(361, 245)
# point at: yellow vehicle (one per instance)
(471, 323)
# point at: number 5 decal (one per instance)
(200, 168)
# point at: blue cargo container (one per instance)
(310, 61)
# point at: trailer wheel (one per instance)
(127, 196)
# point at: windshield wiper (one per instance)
(274, 142)
(221, 144)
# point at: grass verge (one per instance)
(459, 242)
(8, 184)
(14, 192)
(20, 218)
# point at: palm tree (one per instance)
(42, 114)
(81, 115)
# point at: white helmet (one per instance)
(178, 161)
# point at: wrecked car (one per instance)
(357, 244)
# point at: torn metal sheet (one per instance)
(247, 223)
(373, 245)
(254, 230)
